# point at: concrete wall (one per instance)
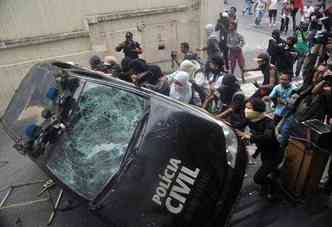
(25, 18)
(38, 30)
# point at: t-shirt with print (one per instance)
(282, 93)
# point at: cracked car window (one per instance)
(102, 127)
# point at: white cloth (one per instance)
(273, 5)
(181, 92)
(190, 66)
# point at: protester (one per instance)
(235, 43)
(262, 134)
(229, 86)
(280, 95)
(276, 47)
(95, 63)
(112, 66)
(223, 28)
(273, 10)
(196, 77)
(270, 75)
(235, 113)
(285, 13)
(216, 72)
(181, 89)
(144, 73)
(288, 57)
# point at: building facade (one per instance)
(41, 30)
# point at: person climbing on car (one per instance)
(222, 96)
(262, 134)
(142, 73)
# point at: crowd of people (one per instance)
(287, 10)
(212, 85)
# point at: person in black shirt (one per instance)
(270, 75)
(130, 48)
(276, 47)
(144, 73)
(223, 28)
(262, 134)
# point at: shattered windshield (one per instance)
(102, 127)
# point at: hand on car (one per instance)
(243, 135)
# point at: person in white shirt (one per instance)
(273, 10)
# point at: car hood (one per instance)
(165, 180)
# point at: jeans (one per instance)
(259, 16)
(284, 24)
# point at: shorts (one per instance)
(272, 13)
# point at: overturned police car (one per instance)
(137, 158)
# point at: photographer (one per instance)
(130, 48)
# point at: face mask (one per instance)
(252, 115)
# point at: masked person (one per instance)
(144, 73)
(270, 75)
(262, 134)
(276, 47)
(181, 89)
